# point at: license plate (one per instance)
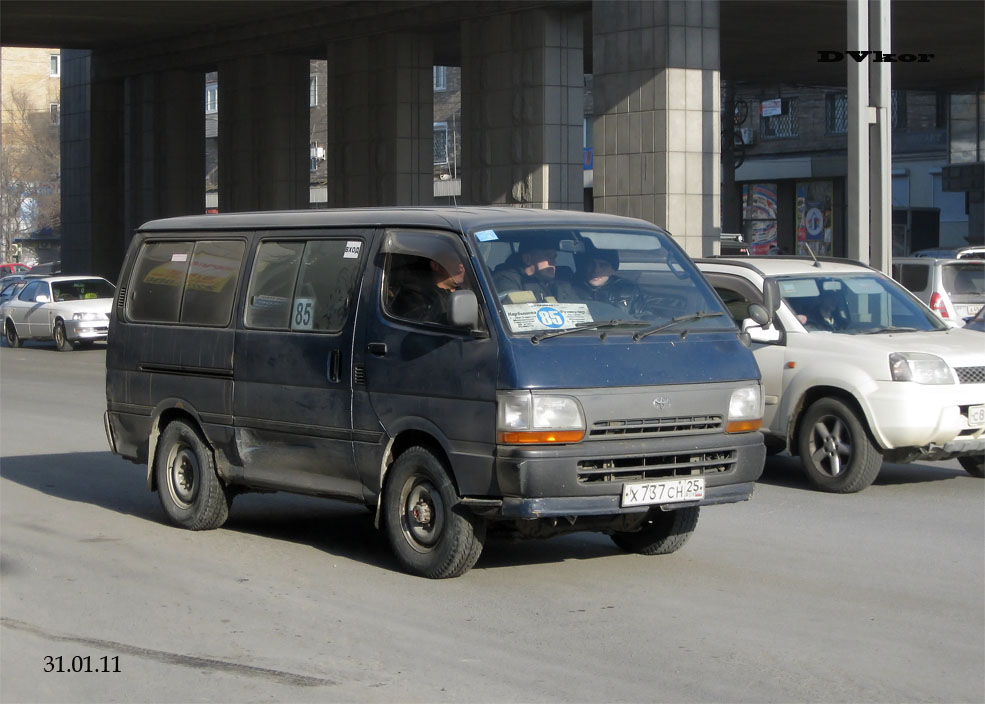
(667, 491)
(976, 416)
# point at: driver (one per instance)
(598, 282)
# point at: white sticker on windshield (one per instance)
(352, 250)
(528, 317)
(486, 236)
(859, 285)
(179, 257)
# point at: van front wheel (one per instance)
(431, 535)
(663, 532)
(189, 489)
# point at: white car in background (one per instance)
(71, 310)
(889, 380)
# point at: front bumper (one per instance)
(547, 481)
(87, 330)
(904, 415)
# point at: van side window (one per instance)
(420, 272)
(185, 282)
(303, 285)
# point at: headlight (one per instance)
(523, 417)
(745, 410)
(88, 316)
(920, 368)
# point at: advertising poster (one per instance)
(815, 217)
(759, 216)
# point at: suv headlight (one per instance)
(745, 410)
(920, 368)
(524, 417)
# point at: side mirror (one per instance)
(42, 299)
(771, 297)
(463, 309)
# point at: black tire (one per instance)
(836, 451)
(974, 465)
(10, 333)
(61, 339)
(663, 532)
(187, 484)
(431, 535)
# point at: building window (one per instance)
(317, 155)
(211, 98)
(312, 91)
(782, 125)
(899, 109)
(440, 142)
(951, 203)
(440, 78)
(836, 113)
(55, 68)
(55, 110)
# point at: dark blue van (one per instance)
(455, 370)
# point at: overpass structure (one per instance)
(133, 100)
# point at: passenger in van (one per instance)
(598, 282)
(424, 296)
(534, 269)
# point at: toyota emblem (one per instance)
(661, 402)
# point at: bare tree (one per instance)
(29, 171)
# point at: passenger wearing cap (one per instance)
(426, 298)
(534, 269)
(599, 282)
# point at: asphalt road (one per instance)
(795, 596)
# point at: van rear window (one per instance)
(193, 283)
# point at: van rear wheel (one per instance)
(663, 532)
(836, 451)
(431, 535)
(187, 484)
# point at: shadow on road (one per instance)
(784, 470)
(334, 527)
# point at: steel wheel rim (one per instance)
(422, 513)
(831, 445)
(183, 473)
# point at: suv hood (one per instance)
(956, 346)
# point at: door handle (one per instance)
(335, 366)
(377, 349)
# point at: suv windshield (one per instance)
(855, 304)
(558, 279)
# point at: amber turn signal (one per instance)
(540, 436)
(743, 426)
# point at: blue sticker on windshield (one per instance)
(486, 236)
(550, 317)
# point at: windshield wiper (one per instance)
(588, 326)
(674, 321)
(888, 328)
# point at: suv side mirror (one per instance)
(771, 297)
(463, 309)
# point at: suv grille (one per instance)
(681, 464)
(683, 425)
(970, 375)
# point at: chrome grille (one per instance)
(970, 375)
(679, 464)
(681, 425)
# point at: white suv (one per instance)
(856, 369)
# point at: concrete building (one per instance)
(134, 84)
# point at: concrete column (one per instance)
(264, 151)
(379, 149)
(93, 237)
(658, 116)
(164, 138)
(522, 98)
(880, 160)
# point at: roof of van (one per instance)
(447, 217)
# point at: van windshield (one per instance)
(855, 304)
(563, 278)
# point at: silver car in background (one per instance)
(953, 288)
(71, 310)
